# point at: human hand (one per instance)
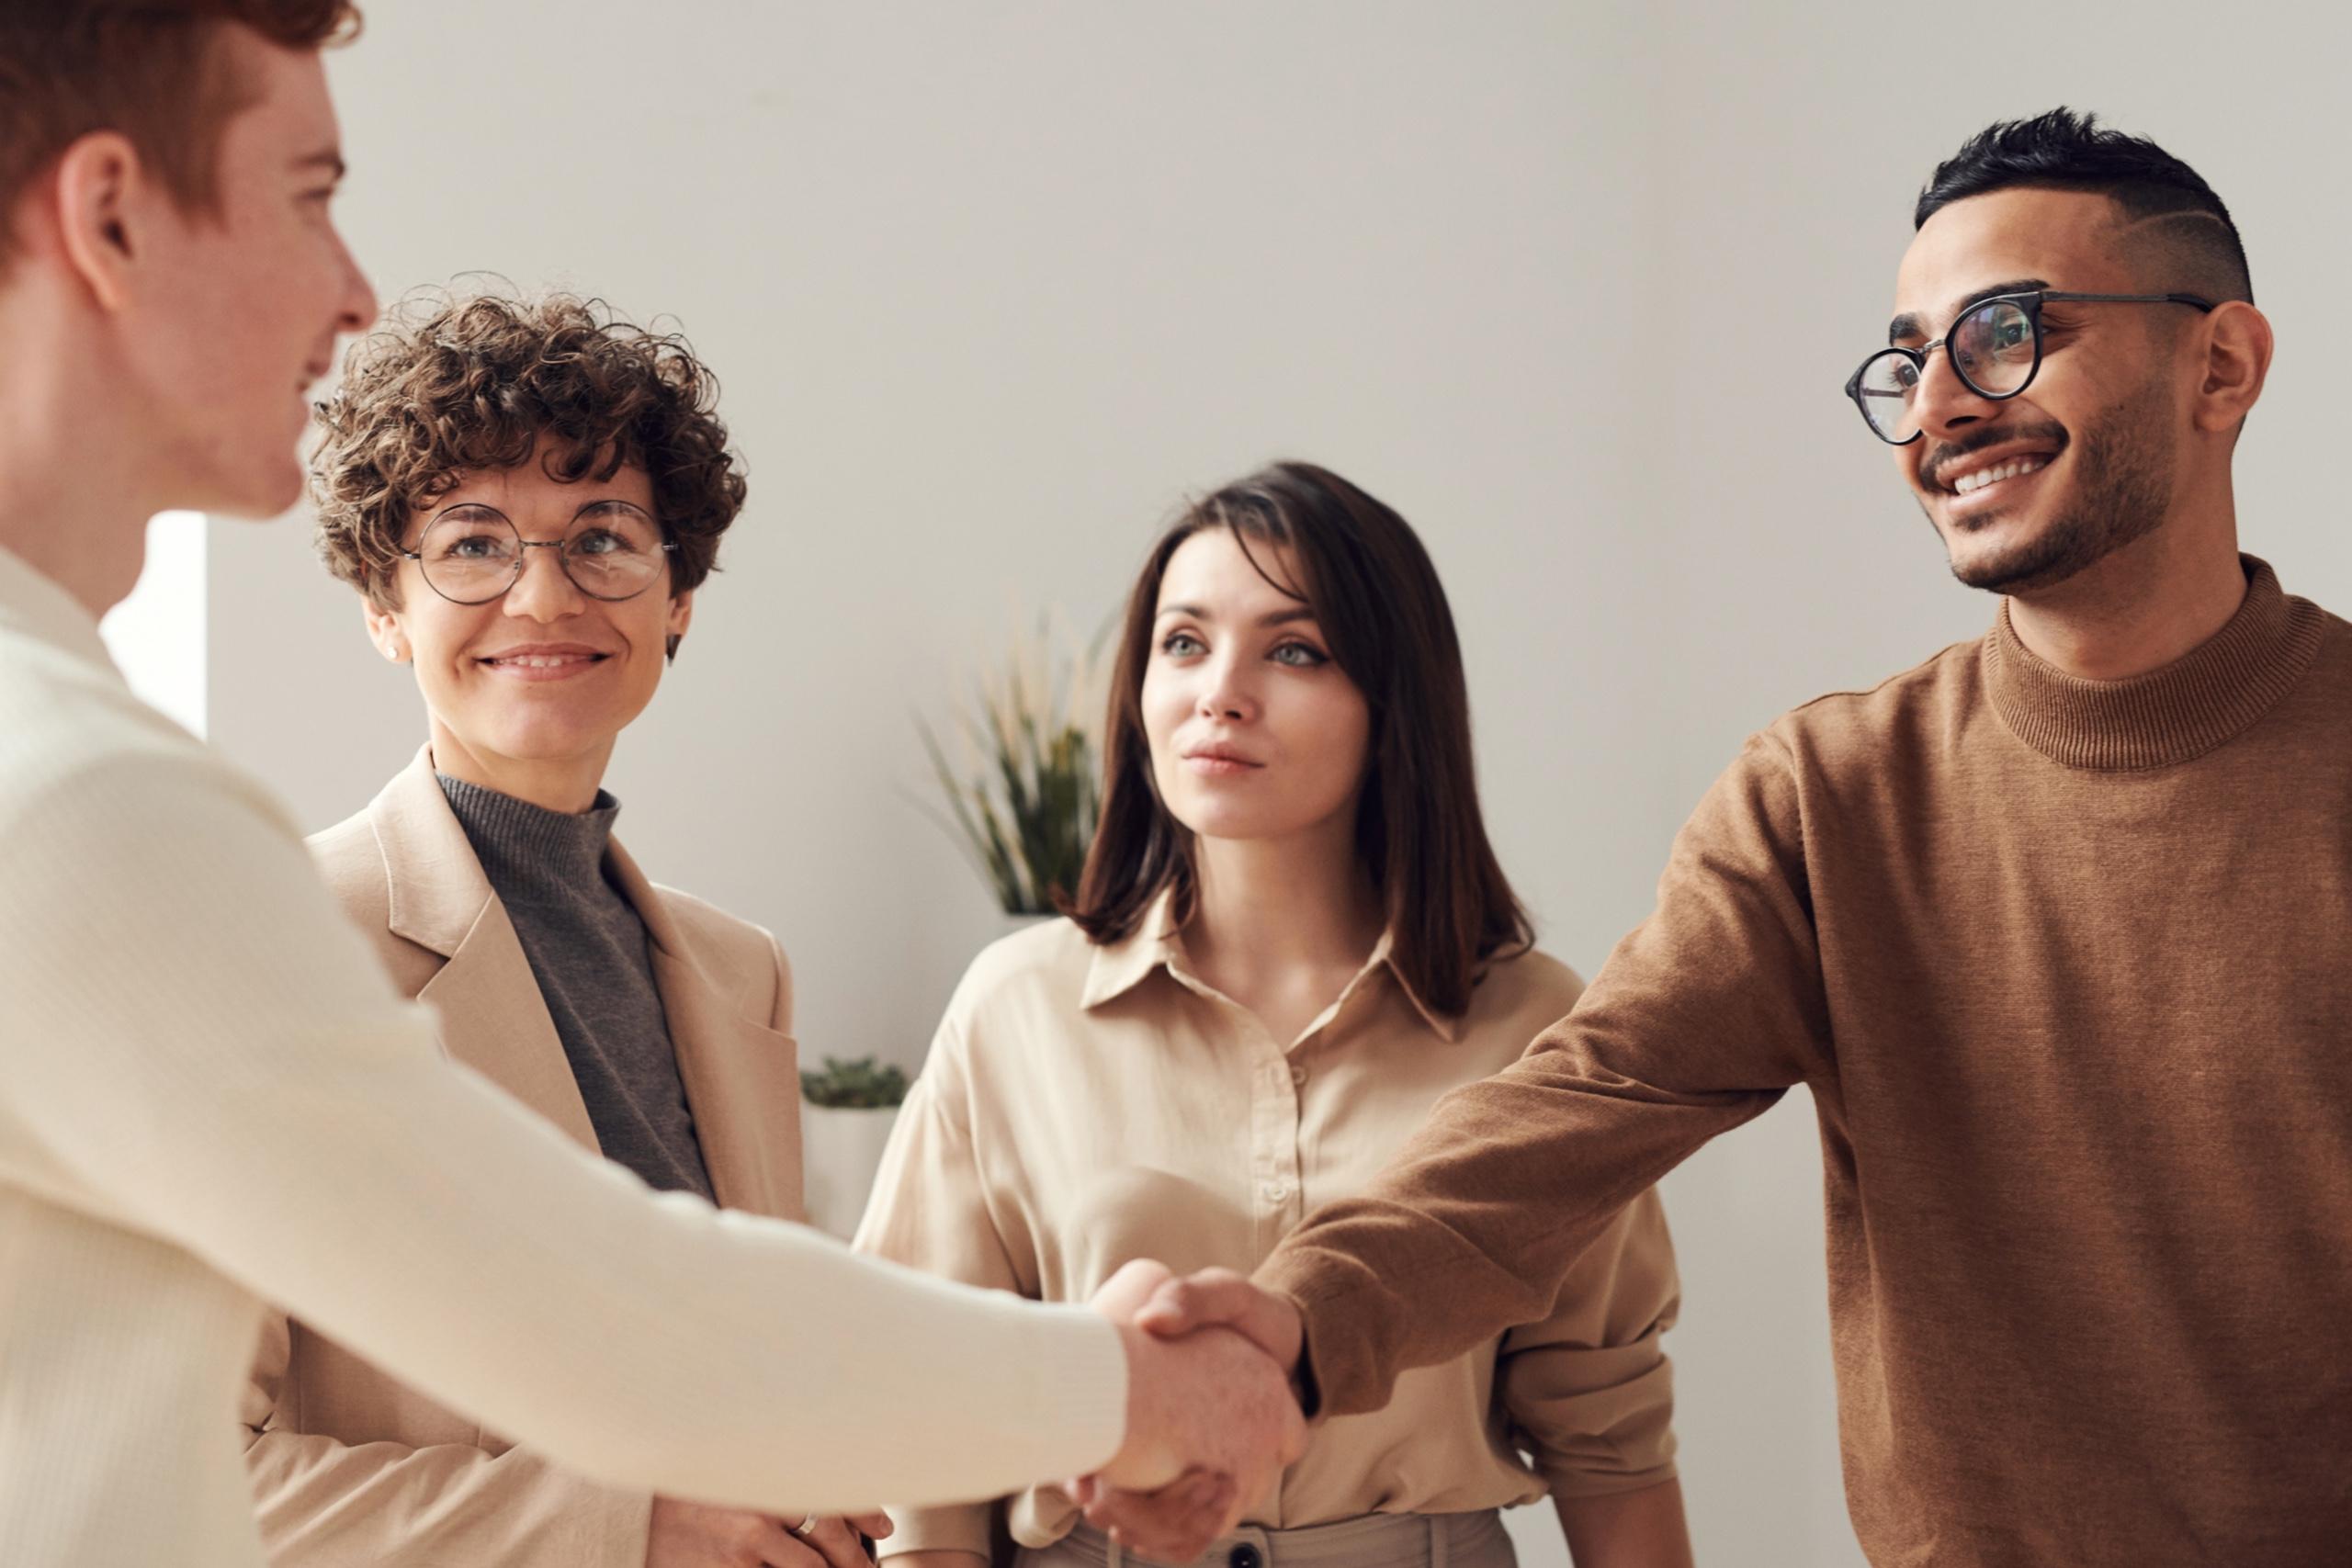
(1210, 1425)
(1221, 1298)
(699, 1535)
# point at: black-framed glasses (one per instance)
(1995, 347)
(472, 554)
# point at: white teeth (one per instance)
(538, 662)
(1983, 477)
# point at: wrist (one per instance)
(1144, 1462)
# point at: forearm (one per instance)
(320, 1504)
(250, 1090)
(1429, 1264)
(1627, 1529)
(1702, 1017)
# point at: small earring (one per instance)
(669, 649)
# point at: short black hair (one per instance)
(2196, 248)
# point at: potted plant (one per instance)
(847, 1110)
(1024, 793)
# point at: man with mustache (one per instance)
(2056, 926)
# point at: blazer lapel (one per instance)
(741, 1077)
(485, 997)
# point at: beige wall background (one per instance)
(992, 287)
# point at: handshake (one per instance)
(1211, 1415)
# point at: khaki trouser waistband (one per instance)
(1375, 1541)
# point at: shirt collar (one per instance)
(1120, 966)
(38, 608)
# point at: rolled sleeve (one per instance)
(1589, 1391)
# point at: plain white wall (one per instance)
(156, 637)
(992, 287)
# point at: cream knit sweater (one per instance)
(208, 1096)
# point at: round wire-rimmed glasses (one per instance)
(1995, 347)
(471, 554)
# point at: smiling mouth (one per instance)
(542, 660)
(2016, 467)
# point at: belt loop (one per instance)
(1437, 1541)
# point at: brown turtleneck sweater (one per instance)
(2067, 966)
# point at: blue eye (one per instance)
(1177, 645)
(1306, 657)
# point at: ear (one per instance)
(384, 630)
(2237, 360)
(105, 201)
(681, 611)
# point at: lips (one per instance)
(1989, 463)
(543, 658)
(1979, 479)
(1219, 761)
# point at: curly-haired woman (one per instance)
(525, 494)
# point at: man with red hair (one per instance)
(212, 1095)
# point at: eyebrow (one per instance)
(1278, 618)
(1908, 324)
(585, 507)
(327, 159)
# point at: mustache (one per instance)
(1944, 454)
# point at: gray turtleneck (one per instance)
(589, 953)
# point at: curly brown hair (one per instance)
(151, 69)
(458, 383)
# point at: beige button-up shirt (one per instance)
(1083, 1106)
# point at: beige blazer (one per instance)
(348, 1466)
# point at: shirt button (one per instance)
(1276, 1192)
(1245, 1556)
(1297, 1073)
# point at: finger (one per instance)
(1129, 1288)
(876, 1525)
(1175, 1523)
(780, 1548)
(837, 1540)
(1184, 1530)
(1082, 1490)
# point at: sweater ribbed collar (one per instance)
(2168, 716)
(529, 849)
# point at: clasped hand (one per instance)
(1211, 1416)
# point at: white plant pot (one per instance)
(841, 1149)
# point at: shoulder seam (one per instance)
(1931, 662)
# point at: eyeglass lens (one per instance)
(1992, 347)
(472, 554)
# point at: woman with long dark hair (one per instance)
(1292, 936)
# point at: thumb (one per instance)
(1118, 1296)
(1179, 1306)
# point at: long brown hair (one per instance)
(1418, 829)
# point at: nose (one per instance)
(1944, 402)
(544, 592)
(1226, 695)
(358, 305)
